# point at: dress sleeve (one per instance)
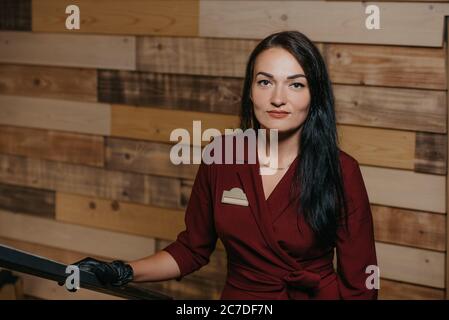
(194, 245)
(356, 245)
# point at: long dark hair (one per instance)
(322, 197)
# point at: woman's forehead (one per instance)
(278, 62)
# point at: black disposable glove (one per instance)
(116, 273)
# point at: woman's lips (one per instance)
(278, 114)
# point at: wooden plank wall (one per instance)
(87, 114)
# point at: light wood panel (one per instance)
(73, 237)
(411, 265)
(89, 51)
(387, 66)
(408, 109)
(345, 21)
(405, 189)
(421, 152)
(368, 146)
(131, 218)
(145, 157)
(49, 82)
(81, 117)
(174, 18)
(52, 145)
(156, 124)
(90, 181)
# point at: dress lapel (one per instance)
(252, 184)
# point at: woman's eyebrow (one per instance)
(269, 75)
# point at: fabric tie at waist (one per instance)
(296, 284)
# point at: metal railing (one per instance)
(21, 261)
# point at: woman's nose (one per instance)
(278, 97)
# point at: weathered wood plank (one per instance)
(423, 25)
(15, 15)
(408, 109)
(411, 228)
(90, 181)
(74, 116)
(405, 189)
(395, 290)
(49, 82)
(71, 237)
(431, 153)
(52, 145)
(33, 201)
(137, 219)
(156, 124)
(174, 18)
(145, 157)
(196, 56)
(387, 66)
(88, 51)
(181, 92)
(415, 266)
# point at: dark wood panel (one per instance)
(182, 92)
(15, 15)
(431, 153)
(33, 201)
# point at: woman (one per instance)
(280, 244)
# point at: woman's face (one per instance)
(279, 84)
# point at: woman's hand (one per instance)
(116, 273)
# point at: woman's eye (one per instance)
(263, 81)
(297, 85)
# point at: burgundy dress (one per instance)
(272, 252)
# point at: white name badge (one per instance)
(234, 196)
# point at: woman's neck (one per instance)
(288, 147)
